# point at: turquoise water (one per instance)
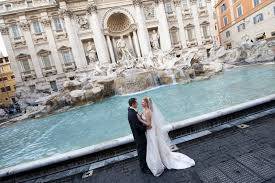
(88, 125)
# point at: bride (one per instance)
(159, 153)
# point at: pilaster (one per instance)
(142, 31)
(99, 38)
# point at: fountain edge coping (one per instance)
(128, 139)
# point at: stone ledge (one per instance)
(126, 140)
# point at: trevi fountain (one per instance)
(183, 84)
(132, 75)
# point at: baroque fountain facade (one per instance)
(68, 53)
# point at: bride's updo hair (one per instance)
(148, 101)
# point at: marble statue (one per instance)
(126, 58)
(155, 40)
(91, 52)
(122, 49)
(245, 39)
(111, 71)
(98, 71)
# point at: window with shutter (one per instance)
(227, 33)
(25, 65)
(240, 10)
(225, 20)
(37, 28)
(223, 7)
(256, 2)
(57, 24)
(46, 61)
(67, 56)
(258, 18)
(15, 31)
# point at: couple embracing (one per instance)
(152, 141)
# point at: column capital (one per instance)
(137, 2)
(91, 8)
(65, 12)
(177, 2)
(46, 22)
(25, 25)
(158, 1)
(4, 30)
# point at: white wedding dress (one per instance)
(159, 154)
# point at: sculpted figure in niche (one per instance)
(155, 40)
(91, 52)
(122, 49)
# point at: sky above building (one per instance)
(2, 46)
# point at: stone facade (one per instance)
(49, 42)
(244, 20)
(7, 81)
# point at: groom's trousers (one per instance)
(141, 150)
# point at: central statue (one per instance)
(126, 58)
(123, 49)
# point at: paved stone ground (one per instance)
(233, 155)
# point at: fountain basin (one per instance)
(175, 129)
(90, 125)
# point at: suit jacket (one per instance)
(138, 128)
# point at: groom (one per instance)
(138, 130)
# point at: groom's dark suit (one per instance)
(138, 130)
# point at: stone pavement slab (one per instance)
(237, 155)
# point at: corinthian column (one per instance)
(163, 28)
(136, 44)
(14, 66)
(142, 31)
(52, 46)
(111, 50)
(25, 26)
(180, 22)
(211, 20)
(194, 10)
(75, 42)
(99, 39)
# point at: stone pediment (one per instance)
(22, 55)
(205, 23)
(42, 51)
(63, 48)
(189, 26)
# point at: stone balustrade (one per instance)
(39, 37)
(47, 71)
(207, 40)
(192, 43)
(8, 5)
(18, 42)
(202, 11)
(69, 66)
(59, 35)
(27, 75)
(187, 14)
